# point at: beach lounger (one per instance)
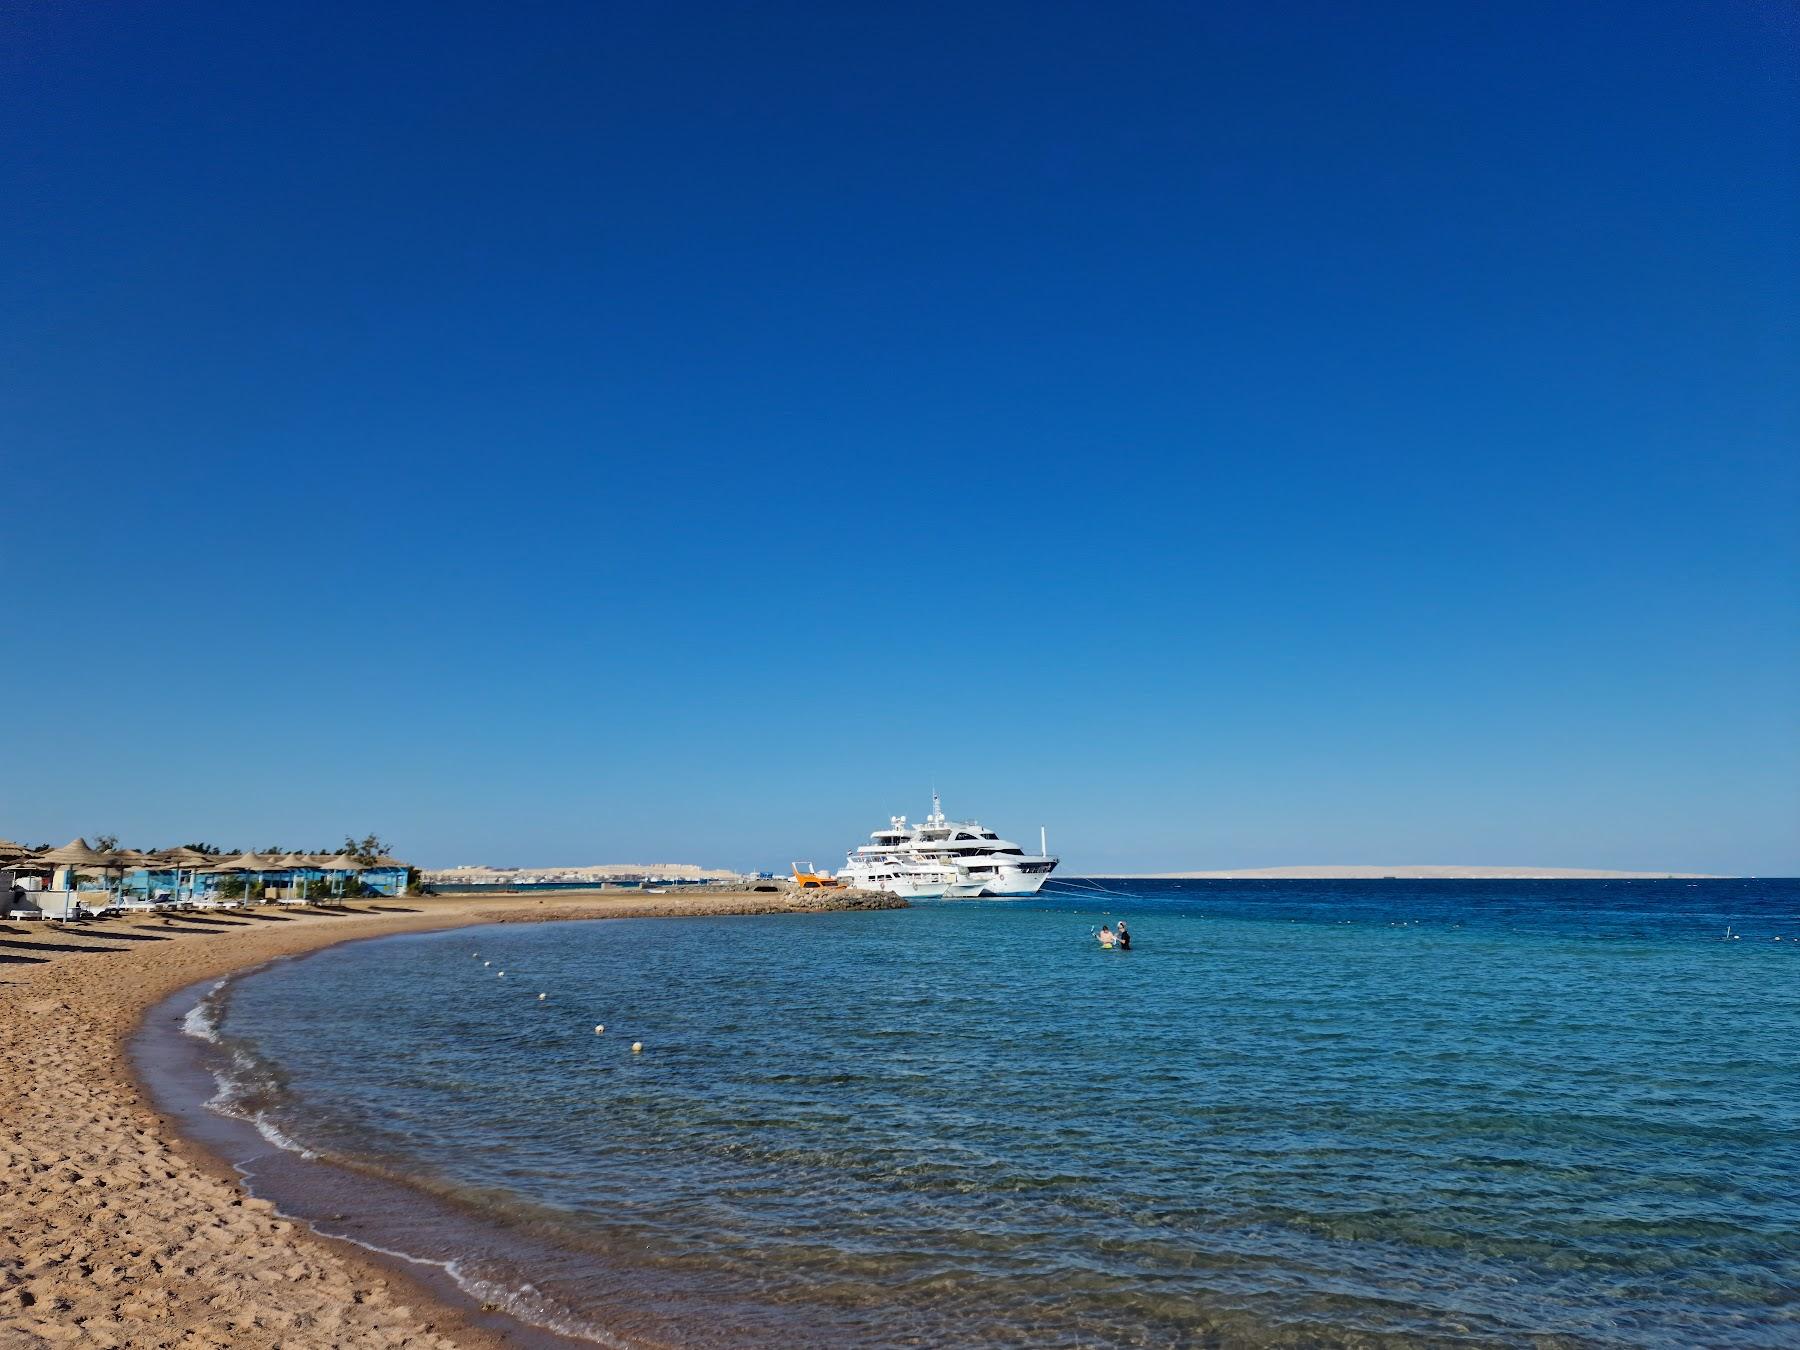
(24, 913)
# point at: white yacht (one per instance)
(945, 858)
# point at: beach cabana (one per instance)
(386, 874)
(12, 866)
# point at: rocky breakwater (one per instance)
(837, 897)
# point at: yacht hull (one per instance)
(1011, 884)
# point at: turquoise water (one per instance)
(1295, 1114)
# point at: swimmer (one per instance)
(1124, 938)
(1106, 936)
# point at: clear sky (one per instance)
(1229, 435)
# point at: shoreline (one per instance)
(127, 1232)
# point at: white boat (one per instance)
(910, 878)
(942, 858)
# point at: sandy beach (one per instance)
(117, 1232)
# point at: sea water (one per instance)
(1299, 1113)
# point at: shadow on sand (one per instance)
(55, 947)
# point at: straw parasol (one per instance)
(296, 863)
(244, 862)
(345, 865)
(72, 855)
(130, 860)
(184, 859)
(75, 853)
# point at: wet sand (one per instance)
(116, 1232)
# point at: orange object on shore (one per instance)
(807, 876)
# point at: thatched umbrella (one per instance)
(70, 856)
(13, 855)
(185, 859)
(296, 863)
(346, 865)
(130, 860)
(244, 862)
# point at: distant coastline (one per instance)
(1418, 872)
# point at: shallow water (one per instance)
(1296, 1113)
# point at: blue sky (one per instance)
(1229, 435)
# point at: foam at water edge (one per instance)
(525, 1304)
(202, 1020)
(522, 1303)
(238, 1080)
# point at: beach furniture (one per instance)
(24, 913)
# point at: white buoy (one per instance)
(503, 974)
(600, 1028)
(542, 997)
(636, 1047)
(487, 963)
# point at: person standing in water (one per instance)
(1106, 936)
(1123, 938)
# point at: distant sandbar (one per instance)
(1416, 872)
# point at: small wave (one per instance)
(244, 1081)
(526, 1304)
(202, 1020)
(272, 1132)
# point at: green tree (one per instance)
(367, 849)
